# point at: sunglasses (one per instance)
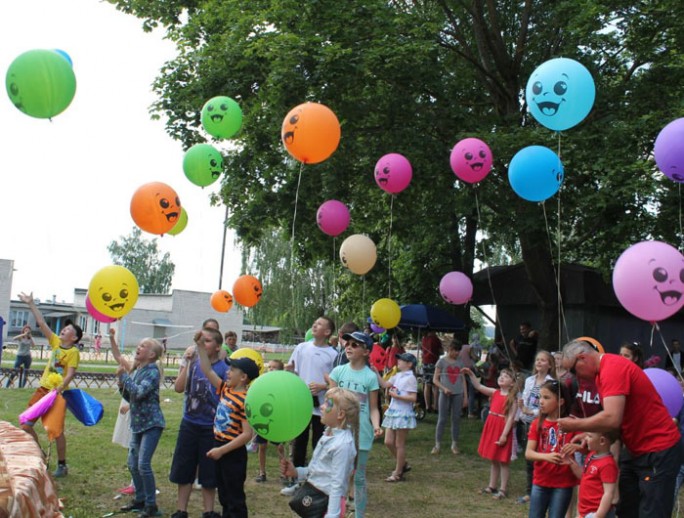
(353, 345)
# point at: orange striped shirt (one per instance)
(230, 414)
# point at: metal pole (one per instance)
(223, 247)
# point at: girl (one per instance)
(327, 475)
(22, 362)
(453, 394)
(140, 387)
(400, 416)
(633, 353)
(553, 477)
(495, 443)
(544, 369)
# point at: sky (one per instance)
(66, 185)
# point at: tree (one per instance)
(141, 257)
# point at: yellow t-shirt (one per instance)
(60, 360)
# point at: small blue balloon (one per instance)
(64, 55)
(535, 173)
(560, 93)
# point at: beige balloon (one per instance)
(358, 253)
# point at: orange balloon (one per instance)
(311, 132)
(155, 208)
(594, 342)
(247, 290)
(221, 301)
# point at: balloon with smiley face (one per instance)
(278, 406)
(96, 314)
(669, 150)
(181, 224)
(471, 160)
(113, 291)
(333, 217)
(456, 288)
(535, 173)
(155, 208)
(221, 117)
(311, 132)
(386, 313)
(221, 301)
(560, 93)
(358, 253)
(648, 280)
(202, 164)
(247, 290)
(393, 173)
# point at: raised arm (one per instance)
(116, 352)
(28, 299)
(487, 391)
(205, 364)
(182, 378)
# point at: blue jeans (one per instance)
(555, 500)
(140, 451)
(23, 364)
(360, 488)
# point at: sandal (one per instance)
(394, 477)
(500, 495)
(488, 491)
(405, 469)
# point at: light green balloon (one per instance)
(308, 336)
(203, 164)
(41, 83)
(278, 406)
(180, 224)
(221, 117)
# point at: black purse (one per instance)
(309, 502)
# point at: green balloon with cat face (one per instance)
(203, 164)
(221, 117)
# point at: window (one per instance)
(19, 318)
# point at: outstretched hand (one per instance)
(26, 299)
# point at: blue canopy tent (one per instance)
(421, 316)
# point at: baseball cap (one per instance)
(246, 365)
(360, 337)
(407, 357)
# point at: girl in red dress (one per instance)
(494, 442)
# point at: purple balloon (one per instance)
(668, 388)
(376, 328)
(393, 173)
(333, 217)
(669, 150)
(456, 288)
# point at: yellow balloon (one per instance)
(113, 291)
(358, 253)
(246, 352)
(386, 313)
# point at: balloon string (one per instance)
(389, 250)
(334, 280)
(667, 350)
(556, 276)
(294, 219)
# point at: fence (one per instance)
(81, 380)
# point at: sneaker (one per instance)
(128, 490)
(180, 514)
(196, 485)
(435, 450)
(149, 511)
(290, 490)
(61, 471)
(454, 449)
(133, 506)
(261, 477)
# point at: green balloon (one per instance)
(308, 336)
(203, 164)
(180, 224)
(278, 406)
(221, 117)
(41, 83)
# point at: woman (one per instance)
(22, 362)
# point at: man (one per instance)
(674, 364)
(631, 404)
(431, 349)
(524, 346)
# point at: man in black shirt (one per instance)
(524, 346)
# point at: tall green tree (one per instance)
(142, 257)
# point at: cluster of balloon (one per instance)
(393, 173)
(333, 217)
(648, 280)
(456, 288)
(221, 301)
(311, 132)
(535, 173)
(41, 83)
(221, 117)
(113, 291)
(255, 356)
(471, 160)
(202, 164)
(95, 313)
(358, 254)
(180, 224)
(278, 406)
(247, 290)
(668, 388)
(376, 328)
(386, 313)
(155, 208)
(669, 151)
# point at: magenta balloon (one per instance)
(393, 173)
(333, 217)
(669, 150)
(96, 314)
(668, 388)
(648, 280)
(456, 288)
(471, 160)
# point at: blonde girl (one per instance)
(496, 443)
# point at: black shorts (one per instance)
(428, 372)
(192, 445)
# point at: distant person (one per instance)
(524, 346)
(230, 342)
(22, 362)
(453, 395)
(97, 342)
(431, 349)
(675, 359)
(346, 329)
(632, 351)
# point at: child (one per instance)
(400, 416)
(22, 362)
(140, 387)
(553, 480)
(453, 394)
(495, 441)
(231, 431)
(64, 358)
(358, 377)
(262, 444)
(327, 475)
(598, 478)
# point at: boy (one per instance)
(232, 432)
(63, 359)
(262, 444)
(196, 433)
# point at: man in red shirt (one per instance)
(632, 405)
(431, 349)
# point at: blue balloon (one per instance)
(560, 93)
(535, 173)
(64, 55)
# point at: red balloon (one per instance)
(247, 290)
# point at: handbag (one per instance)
(309, 502)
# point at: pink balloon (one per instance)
(471, 160)
(333, 217)
(393, 173)
(456, 288)
(96, 314)
(648, 280)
